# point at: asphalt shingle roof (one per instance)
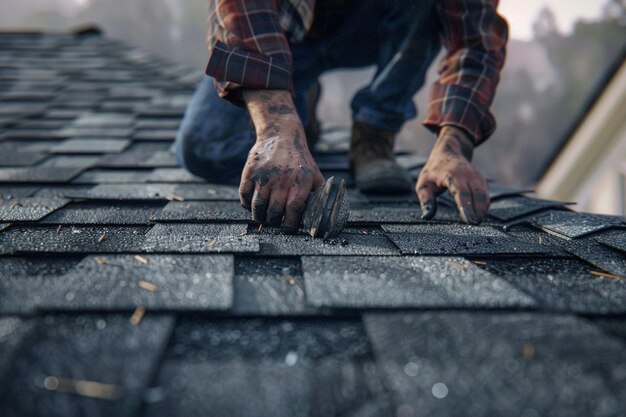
(129, 287)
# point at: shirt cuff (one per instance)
(461, 107)
(234, 69)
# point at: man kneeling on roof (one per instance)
(253, 117)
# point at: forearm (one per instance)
(475, 37)
(454, 140)
(448, 167)
(271, 111)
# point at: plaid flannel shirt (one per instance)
(249, 47)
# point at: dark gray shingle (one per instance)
(116, 357)
(156, 282)
(506, 363)
(412, 282)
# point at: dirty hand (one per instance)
(280, 172)
(449, 167)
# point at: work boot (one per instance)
(372, 164)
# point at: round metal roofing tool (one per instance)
(327, 210)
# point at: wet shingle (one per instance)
(100, 213)
(155, 191)
(126, 192)
(268, 286)
(275, 243)
(65, 161)
(586, 248)
(24, 281)
(157, 123)
(179, 175)
(505, 363)
(457, 239)
(60, 190)
(15, 191)
(95, 132)
(392, 282)
(29, 209)
(16, 159)
(156, 282)
(577, 293)
(137, 155)
(200, 238)
(109, 176)
(163, 159)
(516, 266)
(72, 239)
(102, 119)
(203, 211)
(574, 225)
(281, 368)
(40, 174)
(496, 192)
(155, 134)
(411, 215)
(32, 134)
(160, 112)
(13, 330)
(116, 357)
(599, 255)
(510, 208)
(39, 123)
(615, 239)
(611, 325)
(91, 145)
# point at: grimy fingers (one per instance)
(480, 196)
(426, 194)
(260, 201)
(318, 181)
(463, 199)
(296, 202)
(276, 206)
(246, 192)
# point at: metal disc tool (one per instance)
(327, 210)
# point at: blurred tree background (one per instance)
(546, 83)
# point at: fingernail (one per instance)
(427, 212)
(472, 217)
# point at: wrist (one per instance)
(271, 111)
(455, 140)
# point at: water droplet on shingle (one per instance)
(291, 358)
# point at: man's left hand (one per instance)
(449, 167)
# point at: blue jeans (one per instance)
(400, 37)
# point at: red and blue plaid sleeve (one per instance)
(247, 47)
(475, 37)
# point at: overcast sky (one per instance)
(522, 13)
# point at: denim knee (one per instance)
(218, 159)
(214, 137)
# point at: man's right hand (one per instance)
(280, 172)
